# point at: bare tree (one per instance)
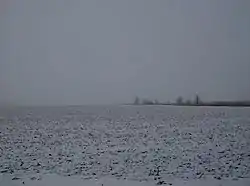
(188, 102)
(179, 100)
(137, 101)
(197, 99)
(147, 102)
(156, 102)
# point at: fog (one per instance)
(59, 52)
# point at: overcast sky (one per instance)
(109, 51)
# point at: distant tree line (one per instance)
(179, 101)
(139, 101)
(196, 102)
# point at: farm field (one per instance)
(156, 145)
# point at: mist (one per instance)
(60, 52)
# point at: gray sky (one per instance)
(109, 51)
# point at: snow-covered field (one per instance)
(126, 144)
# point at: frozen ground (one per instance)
(131, 144)
(55, 180)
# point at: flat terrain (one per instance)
(140, 143)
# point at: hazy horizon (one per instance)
(59, 52)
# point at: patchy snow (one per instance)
(130, 145)
(55, 180)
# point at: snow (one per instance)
(55, 180)
(119, 145)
